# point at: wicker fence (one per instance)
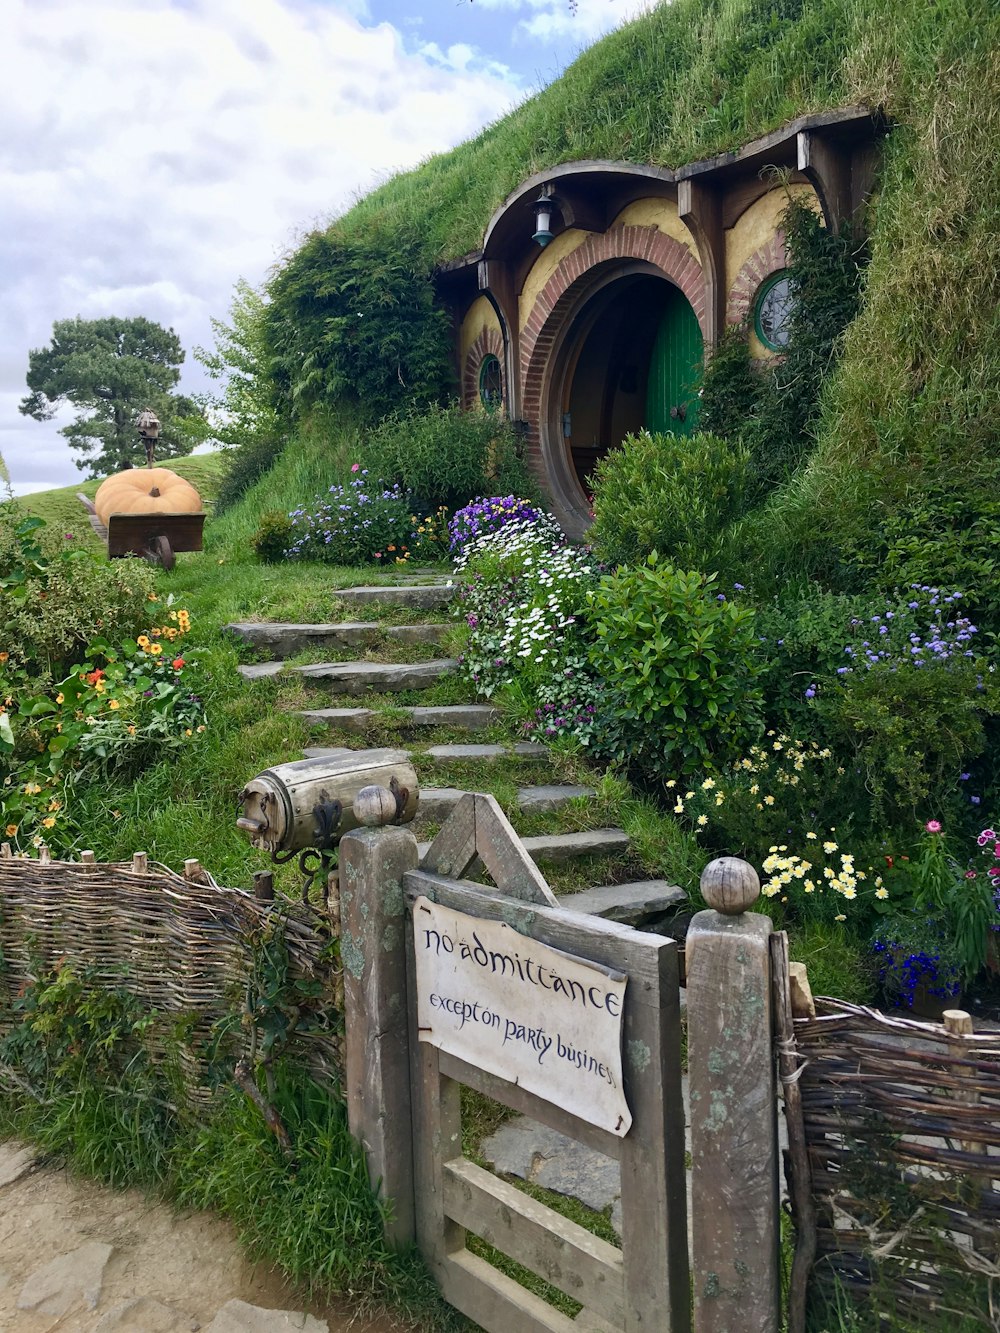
(902, 1130)
(186, 947)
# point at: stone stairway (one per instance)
(645, 904)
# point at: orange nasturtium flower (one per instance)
(11, 830)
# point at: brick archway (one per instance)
(770, 258)
(582, 272)
(488, 343)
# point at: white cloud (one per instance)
(155, 150)
(546, 20)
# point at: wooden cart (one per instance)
(156, 537)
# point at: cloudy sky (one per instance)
(153, 151)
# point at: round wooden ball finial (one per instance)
(729, 885)
(375, 806)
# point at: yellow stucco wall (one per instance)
(544, 266)
(659, 213)
(479, 317)
(752, 230)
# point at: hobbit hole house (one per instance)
(601, 288)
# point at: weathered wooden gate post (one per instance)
(377, 1058)
(734, 1194)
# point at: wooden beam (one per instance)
(827, 167)
(496, 1302)
(700, 209)
(565, 1254)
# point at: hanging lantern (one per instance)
(543, 218)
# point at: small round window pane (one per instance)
(773, 312)
(490, 383)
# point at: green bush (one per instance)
(669, 494)
(245, 465)
(680, 668)
(55, 599)
(446, 456)
(273, 537)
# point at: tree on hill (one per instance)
(110, 370)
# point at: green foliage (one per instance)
(446, 456)
(772, 409)
(837, 961)
(679, 667)
(667, 493)
(55, 598)
(113, 369)
(357, 321)
(243, 412)
(273, 537)
(245, 465)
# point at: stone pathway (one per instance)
(80, 1258)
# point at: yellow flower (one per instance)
(754, 789)
(811, 836)
(60, 698)
(809, 886)
(49, 822)
(672, 782)
(113, 704)
(152, 597)
(882, 894)
(143, 640)
(131, 729)
(769, 800)
(31, 789)
(155, 648)
(840, 917)
(187, 731)
(11, 830)
(55, 805)
(679, 807)
(688, 795)
(708, 784)
(829, 848)
(702, 820)
(719, 798)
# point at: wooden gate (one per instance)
(645, 1284)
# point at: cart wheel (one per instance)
(163, 553)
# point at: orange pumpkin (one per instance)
(144, 490)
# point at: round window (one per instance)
(490, 383)
(773, 311)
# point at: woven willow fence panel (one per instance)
(902, 1122)
(186, 947)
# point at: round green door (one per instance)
(675, 370)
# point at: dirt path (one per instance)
(186, 1266)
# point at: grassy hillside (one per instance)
(62, 510)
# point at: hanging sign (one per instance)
(528, 1013)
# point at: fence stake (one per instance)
(958, 1024)
(733, 1111)
(377, 1062)
(263, 886)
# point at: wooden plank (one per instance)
(134, 532)
(436, 1118)
(478, 828)
(519, 1099)
(496, 1302)
(566, 1255)
(505, 856)
(654, 1184)
(377, 1064)
(606, 942)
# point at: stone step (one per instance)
(418, 596)
(522, 750)
(360, 677)
(437, 803)
(632, 904)
(560, 847)
(285, 639)
(545, 800)
(466, 717)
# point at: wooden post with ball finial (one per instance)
(373, 860)
(734, 1187)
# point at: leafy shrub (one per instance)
(445, 455)
(678, 669)
(246, 463)
(482, 517)
(669, 494)
(54, 600)
(273, 537)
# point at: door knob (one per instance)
(679, 412)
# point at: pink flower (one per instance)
(970, 874)
(996, 849)
(933, 826)
(355, 467)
